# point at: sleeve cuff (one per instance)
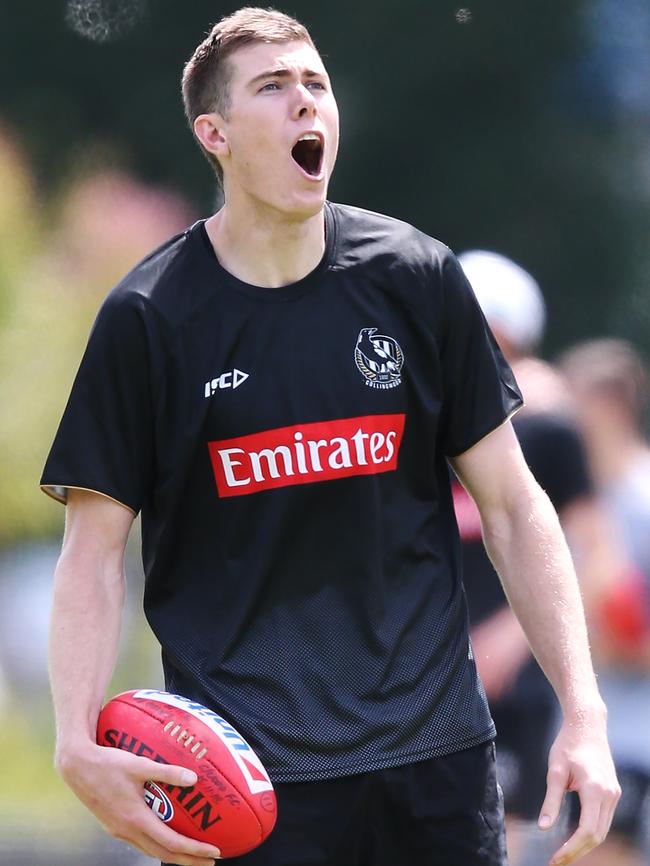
(60, 493)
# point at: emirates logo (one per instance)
(379, 359)
(304, 453)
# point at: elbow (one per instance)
(513, 514)
(84, 575)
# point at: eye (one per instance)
(316, 85)
(272, 85)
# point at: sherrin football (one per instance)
(232, 805)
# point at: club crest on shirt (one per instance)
(379, 359)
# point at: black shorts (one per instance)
(445, 811)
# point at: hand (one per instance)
(110, 783)
(580, 761)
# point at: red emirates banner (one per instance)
(304, 453)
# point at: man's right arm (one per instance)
(84, 638)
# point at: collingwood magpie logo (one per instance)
(379, 359)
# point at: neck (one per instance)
(265, 247)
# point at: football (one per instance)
(233, 803)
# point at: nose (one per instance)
(305, 104)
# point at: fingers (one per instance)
(597, 806)
(556, 785)
(120, 777)
(607, 810)
(139, 826)
(584, 837)
(145, 769)
(158, 852)
(163, 835)
(151, 836)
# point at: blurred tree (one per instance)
(464, 120)
(56, 265)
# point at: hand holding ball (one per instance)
(232, 805)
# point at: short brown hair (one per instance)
(206, 75)
(611, 366)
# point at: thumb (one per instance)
(168, 774)
(556, 783)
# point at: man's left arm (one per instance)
(523, 538)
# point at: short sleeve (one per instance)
(556, 456)
(104, 442)
(479, 388)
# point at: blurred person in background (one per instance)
(522, 703)
(610, 389)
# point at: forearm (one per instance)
(527, 546)
(523, 537)
(84, 637)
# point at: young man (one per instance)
(278, 390)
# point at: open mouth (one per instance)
(308, 153)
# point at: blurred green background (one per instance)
(518, 127)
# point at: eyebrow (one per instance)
(283, 72)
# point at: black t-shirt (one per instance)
(287, 448)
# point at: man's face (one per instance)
(281, 133)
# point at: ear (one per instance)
(210, 131)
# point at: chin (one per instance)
(306, 204)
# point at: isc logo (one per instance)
(230, 379)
